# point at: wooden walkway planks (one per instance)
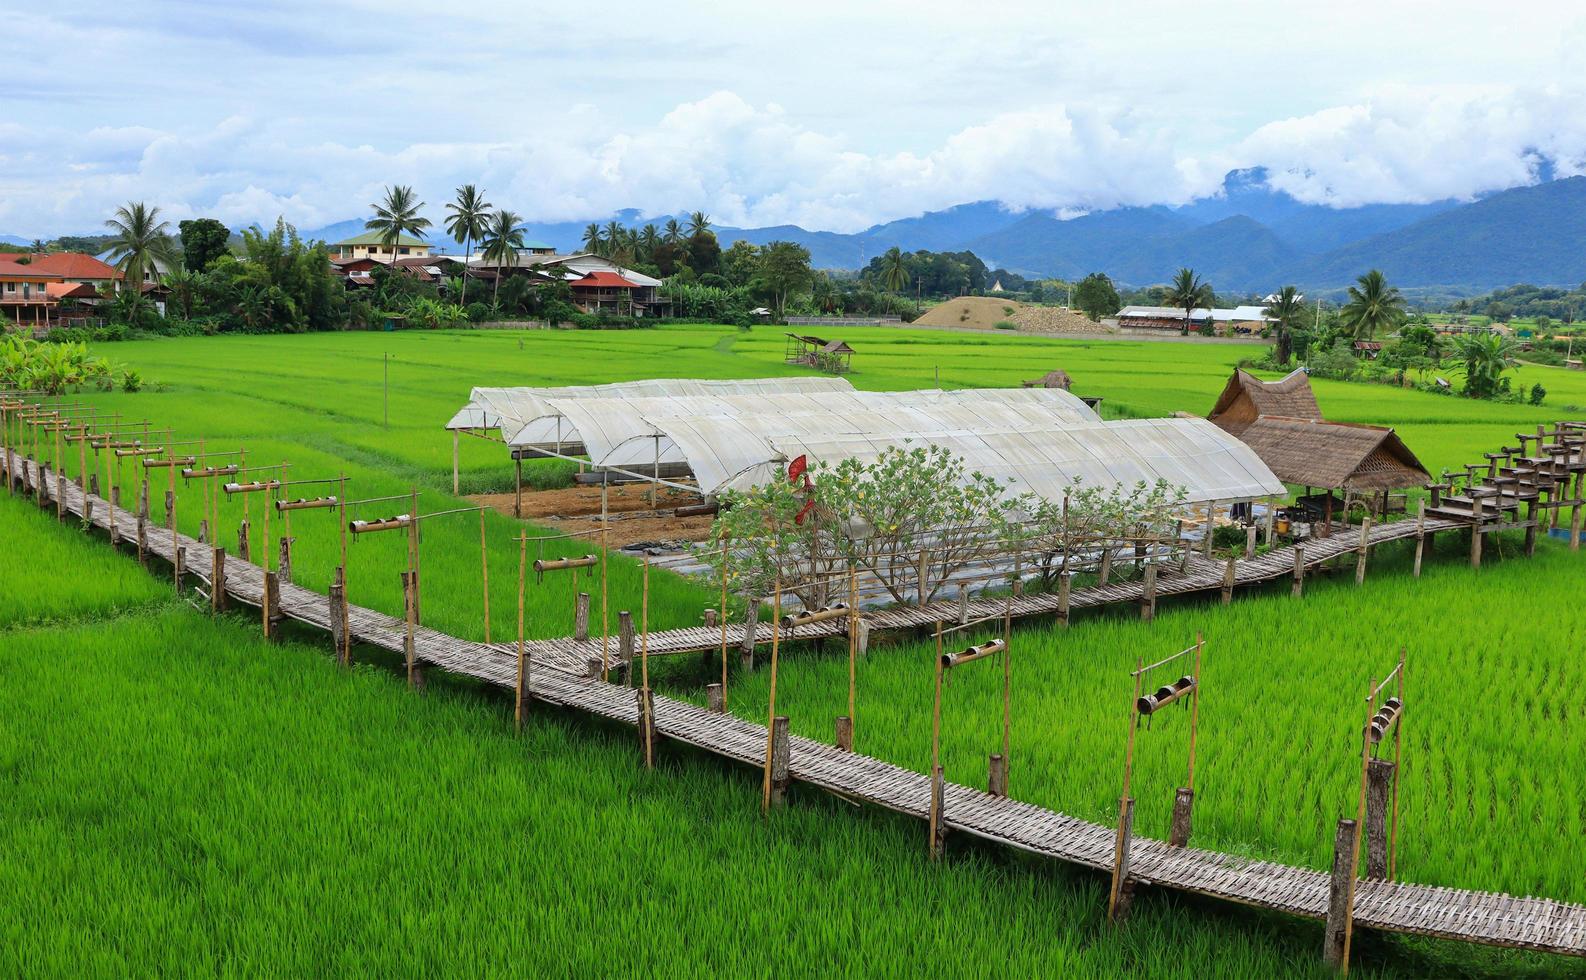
(1529, 923)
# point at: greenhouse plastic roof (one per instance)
(502, 408)
(1186, 452)
(739, 434)
(627, 431)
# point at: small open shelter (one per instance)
(1246, 398)
(831, 356)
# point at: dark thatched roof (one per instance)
(1334, 455)
(1051, 379)
(1247, 398)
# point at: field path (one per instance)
(558, 677)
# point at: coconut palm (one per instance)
(613, 233)
(894, 269)
(673, 233)
(698, 222)
(649, 238)
(141, 242)
(1284, 308)
(469, 215)
(1373, 307)
(592, 240)
(1486, 357)
(1189, 292)
(502, 240)
(38, 246)
(396, 216)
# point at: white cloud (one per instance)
(1416, 145)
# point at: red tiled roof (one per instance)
(603, 280)
(19, 271)
(75, 265)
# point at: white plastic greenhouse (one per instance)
(738, 434)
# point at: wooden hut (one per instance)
(1051, 379)
(1247, 398)
(831, 356)
(1365, 462)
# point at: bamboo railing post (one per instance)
(779, 771)
(1229, 575)
(1379, 782)
(581, 616)
(1340, 897)
(338, 625)
(409, 657)
(1063, 589)
(646, 702)
(217, 580)
(270, 606)
(1148, 595)
(1475, 530)
(1420, 537)
(1299, 571)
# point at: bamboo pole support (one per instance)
(770, 738)
(646, 702)
(715, 699)
(1183, 808)
(270, 606)
(1420, 537)
(605, 601)
(217, 580)
(520, 700)
(581, 616)
(997, 775)
(1117, 900)
(409, 654)
(721, 620)
(1379, 783)
(1064, 584)
(1362, 551)
(626, 639)
(1299, 571)
(1148, 596)
(938, 822)
(338, 625)
(484, 568)
(1475, 531)
(1229, 575)
(844, 733)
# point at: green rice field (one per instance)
(198, 801)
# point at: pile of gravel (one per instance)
(1054, 319)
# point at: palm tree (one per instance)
(1486, 357)
(141, 242)
(38, 246)
(649, 238)
(673, 233)
(894, 269)
(502, 240)
(1189, 293)
(396, 216)
(592, 240)
(469, 215)
(1373, 306)
(1283, 308)
(613, 237)
(698, 222)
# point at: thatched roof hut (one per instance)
(1334, 455)
(1051, 379)
(1247, 398)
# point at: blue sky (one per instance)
(829, 115)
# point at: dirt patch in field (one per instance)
(977, 312)
(577, 509)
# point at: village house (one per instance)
(599, 285)
(370, 244)
(1225, 321)
(24, 293)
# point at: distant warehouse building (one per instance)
(1241, 320)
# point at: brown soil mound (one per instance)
(977, 312)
